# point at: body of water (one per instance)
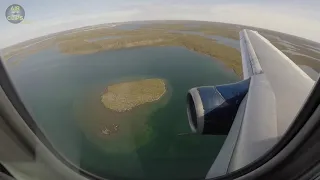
(62, 93)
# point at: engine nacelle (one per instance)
(212, 109)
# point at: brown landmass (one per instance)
(127, 95)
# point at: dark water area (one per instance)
(62, 93)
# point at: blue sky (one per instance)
(301, 18)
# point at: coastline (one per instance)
(150, 35)
(227, 55)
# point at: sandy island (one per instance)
(127, 95)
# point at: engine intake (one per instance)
(212, 109)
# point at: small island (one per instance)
(124, 96)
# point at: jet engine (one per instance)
(212, 109)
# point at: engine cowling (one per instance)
(212, 109)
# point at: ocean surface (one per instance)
(62, 93)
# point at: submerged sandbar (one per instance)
(127, 95)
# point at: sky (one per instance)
(296, 17)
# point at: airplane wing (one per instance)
(266, 102)
(288, 82)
